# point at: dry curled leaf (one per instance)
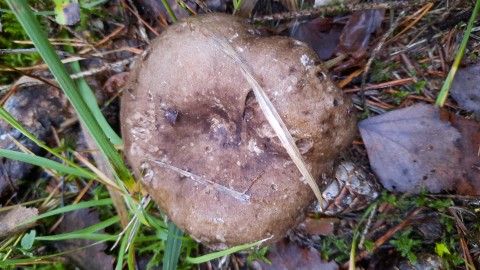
(322, 34)
(465, 88)
(10, 220)
(413, 149)
(356, 35)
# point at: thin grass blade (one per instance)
(34, 259)
(28, 21)
(5, 115)
(44, 162)
(69, 208)
(75, 235)
(122, 250)
(85, 232)
(174, 247)
(214, 255)
(272, 116)
(442, 96)
(91, 101)
(169, 10)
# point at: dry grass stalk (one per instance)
(273, 117)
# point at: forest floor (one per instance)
(409, 201)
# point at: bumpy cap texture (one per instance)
(196, 137)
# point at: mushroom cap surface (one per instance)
(196, 136)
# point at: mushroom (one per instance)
(195, 134)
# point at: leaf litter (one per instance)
(92, 257)
(348, 35)
(10, 220)
(286, 255)
(465, 141)
(38, 108)
(465, 88)
(413, 149)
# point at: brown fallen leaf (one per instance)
(38, 108)
(356, 35)
(285, 255)
(413, 149)
(89, 258)
(327, 36)
(465, 88)
(322, 34)
(10, 220)
(470, 146)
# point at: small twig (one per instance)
(102, 178)
(339, 8)
(414, 45)
(109, 36)
(143, 32)
(162, 22)
(83, 74)
(462, 230)
(381, 85)
(421, 12)
(73, 33)
(29, 50)
(103, 170)
(253, 182)
(387, 235)
(350, 77)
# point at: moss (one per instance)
(13, 31)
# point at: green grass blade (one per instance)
(132, 247)
(44, 162)
(442, 97)
(26, 18)
(218, 254)
(85, 233)
(5, 115)
(70, 208)
(91, 101)
(155, 223)
(36, 259)
(174, 247)
(121, 251)
(74, 235)
(353, 249)
(169, 10)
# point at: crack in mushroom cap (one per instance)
(194, 132)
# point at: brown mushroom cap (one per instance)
(195, 134)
